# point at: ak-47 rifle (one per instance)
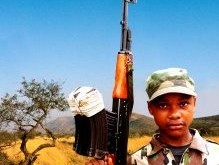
(123, 90)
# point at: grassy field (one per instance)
(63, 154)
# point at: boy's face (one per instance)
(173, 113)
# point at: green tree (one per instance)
(27, 111)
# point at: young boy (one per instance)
(172, 100)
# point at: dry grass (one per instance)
(63, 153)
(213, 138)
(136, 143)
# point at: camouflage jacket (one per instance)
(200, 152)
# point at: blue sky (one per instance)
(76, 43)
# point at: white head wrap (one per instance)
(86, 101)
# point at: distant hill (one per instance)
(139, 125)
(207, 125)
(62, 125)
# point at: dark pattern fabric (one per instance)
(200, 152)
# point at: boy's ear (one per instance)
(195, 101)
(149, 107)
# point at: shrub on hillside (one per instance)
(4, 159)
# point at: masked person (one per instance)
(171, 102)
(87, 106)
(94, 125)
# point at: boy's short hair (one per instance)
(171, 80)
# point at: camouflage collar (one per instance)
(198, 143)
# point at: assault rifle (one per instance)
(123, 90)
(107, 131)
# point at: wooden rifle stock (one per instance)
(123, 90)
(122, 104)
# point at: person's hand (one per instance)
(108, 160)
